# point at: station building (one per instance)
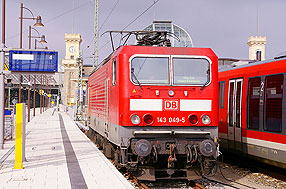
(256, 45)
(71, 69)
(42, 81)
(185, 39)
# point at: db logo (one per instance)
(171, 104)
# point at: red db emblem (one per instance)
(171, 104)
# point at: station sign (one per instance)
(33, 61)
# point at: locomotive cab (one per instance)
(170, 114)
(158, 107)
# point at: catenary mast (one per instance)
(95, 43)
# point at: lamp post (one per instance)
(42, 41)
(29, 96)
(2, 77)
(37, 24)
(41, 86)
(34, 99)
(43, 38)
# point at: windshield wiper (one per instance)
(132, 72)
(208, 75)
(204, 85)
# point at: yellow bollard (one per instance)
(19, 137)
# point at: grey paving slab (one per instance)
(59, 155)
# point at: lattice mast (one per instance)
(95, 41)
(79, 100)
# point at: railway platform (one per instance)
(58, 155)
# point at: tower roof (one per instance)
(73, 37)
(257, 40)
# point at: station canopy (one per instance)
(185, 39)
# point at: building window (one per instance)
(221, 94)
(253, 102)
(273, 103)
(258, 55)
(72, 57)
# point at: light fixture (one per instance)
(43, 39)
(157, 93)
(171, 93)
(39, 22)
(135, 119)
(206, 119)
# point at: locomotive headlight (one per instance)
(143, 148)
(206, 119)
(207, 148)
(193, 119)
(135, 119)
(171, 93)
(148, 119)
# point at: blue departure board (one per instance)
(33, 61)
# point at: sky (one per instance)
(223, 25)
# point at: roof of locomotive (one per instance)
(229, 67)
(136, 49)
(165, 50)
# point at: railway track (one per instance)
(228, 176)
(236, 172)
(257, 172)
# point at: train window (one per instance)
(238, 103)
(114, 72)
(273, 103)
(230, 104)
(191, 71)
(221, 94)
(150, 70)
(253, 102)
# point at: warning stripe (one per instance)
(6, 67)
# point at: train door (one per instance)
(106, 108)
(234, 113)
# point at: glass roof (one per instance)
(185, 39)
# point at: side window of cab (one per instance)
(114, 72)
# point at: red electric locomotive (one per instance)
(154, 109)
(252, 110)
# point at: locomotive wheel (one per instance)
(117, 158)
(209, 167)
(90, 134)
(98, 141)
(108, 149)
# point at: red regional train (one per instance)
(252, 110)
(155, 110)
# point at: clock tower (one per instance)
(70, 67)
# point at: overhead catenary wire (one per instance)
(54, 18)
(155, 1)
(134, 20)
(108, 15)
(102, 24)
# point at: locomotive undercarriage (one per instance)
(163, 155)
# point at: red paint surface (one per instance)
(269, 68)
(111, 103)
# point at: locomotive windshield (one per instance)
(191, 71)
(150, 70)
